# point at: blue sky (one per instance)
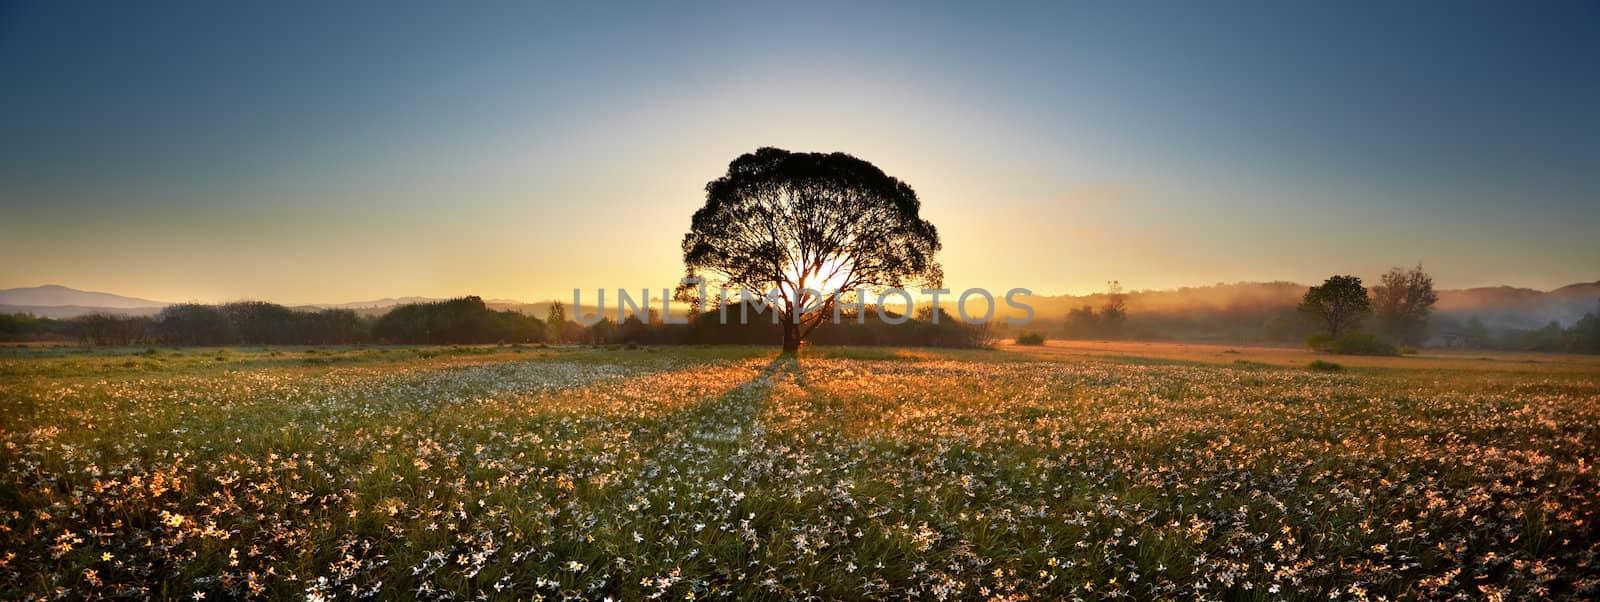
(302, 152)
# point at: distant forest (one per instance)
(1497, 318)
(467, 320)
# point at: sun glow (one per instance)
(827, 277)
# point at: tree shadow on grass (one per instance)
(786, 365)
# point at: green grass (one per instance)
(566, 472)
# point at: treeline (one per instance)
(468, 320)
(245, 322)
(1107, 322)
(1286, 324)
(925, 329)
(1389, 318)
(1582, 337)
(458, 321)
(1395, 314)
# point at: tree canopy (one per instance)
(1402, 302)
(1340, 301)
(811, 227)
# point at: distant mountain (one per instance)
(72, 311)
(1218, 297)
(1509, 307)
(54, 295)
(376, 303)
(1581, 289)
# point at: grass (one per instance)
(1059, 471)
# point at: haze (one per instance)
(310, 153)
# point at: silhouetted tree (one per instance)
(634, 330)
(1402, 302)
(944, 330)
(787, 222)
(1115, 311)
(555, 320)
(1082, 323)
(1584, 336)
(1340, 302)
(1549, 338)
(602, 332)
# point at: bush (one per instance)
(1351, 343)
(1324, 366)
(1319, 341)
(1030, 338)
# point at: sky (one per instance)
(330, 152)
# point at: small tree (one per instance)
(1115, 311)
(555, 321)
(1340, 302)
(1402, 303)
(1476, 332)
(1584, 336)
(1081, 323)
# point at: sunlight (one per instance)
(828, 278)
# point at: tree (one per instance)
(1115, 311)
(1476, 333)
(809, 228)
(1340, 302)
(1584, 336)
(1402, 303)
(1082, 323)
(555, 321)
(602, 332)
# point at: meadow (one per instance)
(1069, 471)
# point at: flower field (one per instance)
(720, 473)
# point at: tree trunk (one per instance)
(791, 337)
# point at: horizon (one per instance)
(919, 297)
(520, 152)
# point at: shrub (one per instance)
(1324, 366)
(1351, 343)
(1030, 338)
